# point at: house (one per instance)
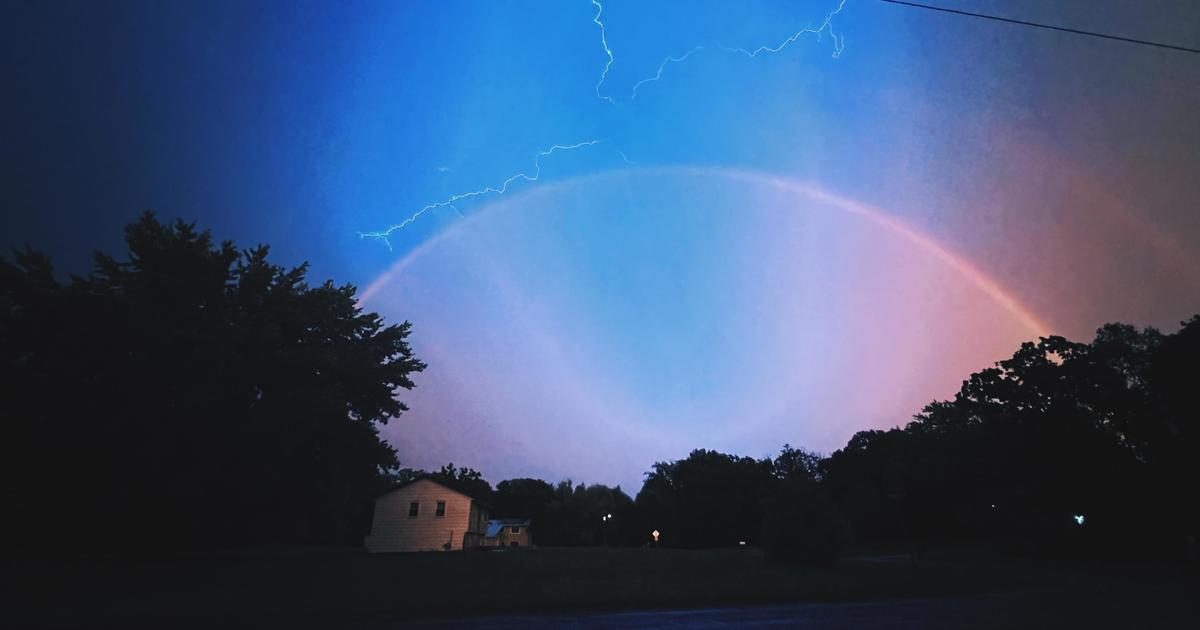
(509, 532)
(427, 514)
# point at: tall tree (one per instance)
(1059, 434)
(796, 464)
(465, 479)
(523, 498)
(708, 499)
(200, 394)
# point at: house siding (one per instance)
(507, 538)
(392, 529)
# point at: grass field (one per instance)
(341, 586)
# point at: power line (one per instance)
(1045, 26)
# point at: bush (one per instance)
(803, 527)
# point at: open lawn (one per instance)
(344, 588)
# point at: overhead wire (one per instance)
(1064, 29)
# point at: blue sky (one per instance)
(1062, 168)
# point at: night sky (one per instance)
(785, 248)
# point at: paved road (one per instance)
(1060, 608)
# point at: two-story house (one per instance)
(426, 515)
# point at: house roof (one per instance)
(445, 483)
(496, 525)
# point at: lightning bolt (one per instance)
(839, 45)
(607, 51)
(827, 25)
(663, 66)
(498, 189)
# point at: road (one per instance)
(1170, 607)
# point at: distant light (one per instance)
(993, 506)
(1079, 519)
(742, 543)
(655, 535)
(610, 516)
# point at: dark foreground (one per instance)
(631, 588)
(1070, 608)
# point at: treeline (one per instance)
(708, 499)
(194, 394)
(1063, 448)
(565, 514)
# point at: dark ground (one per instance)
(633, 588)
(1055, 608)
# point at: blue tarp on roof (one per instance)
(495, 526)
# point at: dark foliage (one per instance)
(192, 395)
(466, 480)
(523, 498)
(198, 395)
(577, 516)
(712, 499)
(1106, 431)
(795, 464)
(567, 514)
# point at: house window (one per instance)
(441, 509)
(413, 508)
(515, 530)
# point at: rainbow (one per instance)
(876, 216)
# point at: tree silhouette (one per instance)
(707, 499)
(796, 464)
(467, 480)
(523, 498)
(193, 394)
(1104, 430)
